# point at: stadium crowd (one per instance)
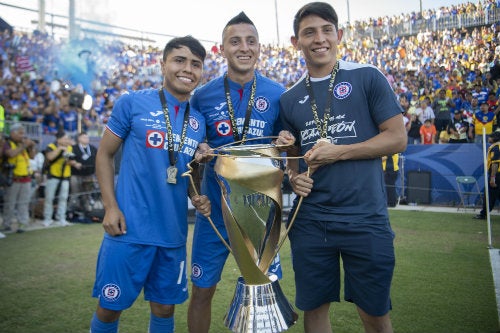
(37, 83)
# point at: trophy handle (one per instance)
(242, 142)
(189, 174)
(285, 235)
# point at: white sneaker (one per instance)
(46, 223)
(64, 223)
(2, 235)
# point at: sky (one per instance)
(204, 19)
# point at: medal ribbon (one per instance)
(323, 132)
(230, 108)
(86, 153)
(170, 136)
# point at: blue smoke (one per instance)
(75, 63)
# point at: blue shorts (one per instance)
(209, 254)
(367, 253)
(123, 269)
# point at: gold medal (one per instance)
(323, 140)
(172, 170)
(172, 175)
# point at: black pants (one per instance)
(390, 187)
(493, 196)
(441, 124)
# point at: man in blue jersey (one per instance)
(146, 213)
(240, 105)
(343, 118)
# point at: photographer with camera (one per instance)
(17, 151)
(60, 158)
(83, 179)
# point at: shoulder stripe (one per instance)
(113, 132)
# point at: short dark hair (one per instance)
(321, 9)
(60, 134)
(190, 42)
(238, 19)
(241, 18)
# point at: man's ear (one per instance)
(295, 42)
(340, 33)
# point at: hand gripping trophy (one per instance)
(250, 178)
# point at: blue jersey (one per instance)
(155, 211)
(210, 100)
(69, 120)
(362, 100)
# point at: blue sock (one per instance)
(161, 325)
(97, 326)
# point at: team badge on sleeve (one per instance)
(194, 124)
(261, 104)
(223, 128)
(342, 90)
(154, 139)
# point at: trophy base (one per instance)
(259, 308)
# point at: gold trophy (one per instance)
(250, 178)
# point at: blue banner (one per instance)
(445, 162)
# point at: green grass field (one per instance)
(443, 281)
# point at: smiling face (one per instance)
(318, 39)
(182, 72)
(241, 48)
